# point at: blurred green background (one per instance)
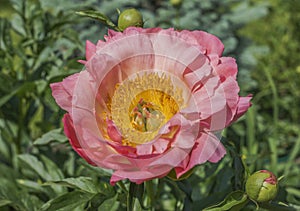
(40, 43)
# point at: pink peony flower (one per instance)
(149, 101)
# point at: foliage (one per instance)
(40, 43)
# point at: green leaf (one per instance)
(99, 17)
(4, 202)
(85, 184)
(98, 200)
(33, 163)
(51, 136)
(52, 169)
(21, 90)
(234, 201)
(68, 201)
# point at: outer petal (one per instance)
(212, 44)
(243, 105)
(70, 133)
(227, 67)
(208, 148)
(63, 92)
(90, 50)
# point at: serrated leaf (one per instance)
(99, 17)
(51, 136)
(232, 200)
(68, 201)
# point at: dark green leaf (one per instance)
(85, 184)
(68, 201)
(34, 164)
(234, 199)
(4, 202)
(20, 90)
(52, 169)
(53, 135)
(99, 17)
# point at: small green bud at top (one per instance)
(262, 186)
(176, 3)
(130, 17)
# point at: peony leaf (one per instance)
(4, 202)
(99, 17)
(68, 201)
(52, 135)
(31, 162)
(234, 201)
(82, 183)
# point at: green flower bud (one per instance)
(262, 186)
(176, 3)
(130, 17)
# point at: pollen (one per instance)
(141, 105)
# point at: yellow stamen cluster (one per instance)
(141, 105)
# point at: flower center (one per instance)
(146, 117)
(142, 105)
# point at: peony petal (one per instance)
(70, 133)
(227, 67)
(243, 105)
(90, 50)
(208, 148)
(113, 131)
(63, 92)
(211, 43)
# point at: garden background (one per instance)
(40, 43)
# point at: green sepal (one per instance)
(233, 201)
(99, 17)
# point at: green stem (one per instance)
(150, 194)
(272, 142)
(135, 197)
(122, 186)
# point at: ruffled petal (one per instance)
(207, 148)
(70, 133)
(211, 43)
(63, 92)
(243, 105)
(90, 50)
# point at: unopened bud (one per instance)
(176, 3)
(262, 186)
(130, 17)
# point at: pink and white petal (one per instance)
(208, 148)
(212, 44)
(90, 50)
(123, 47)
(227, 67)
(113, 131)
(197, 74)
(243, 105)
(207, 100)
(222, 118)
(137, 177)
(63, 92)
(70, 133)
(174, 54)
